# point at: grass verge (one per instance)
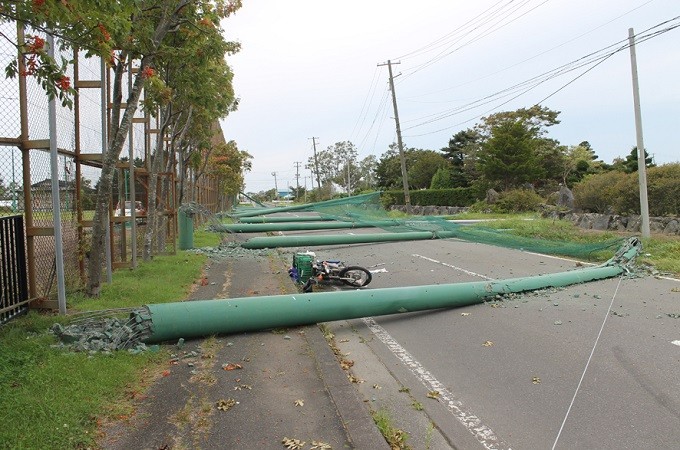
(661, 252)
(51, 398)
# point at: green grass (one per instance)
(51, 398)
(663, 251)
(491, 216)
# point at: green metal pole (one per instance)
(264, 227)
(302, 241)
(206, 317)
(284, 219)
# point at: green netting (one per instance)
(367, 210)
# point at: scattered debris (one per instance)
(377, 386)
(433, 394)
(536, 380)
(488, 344)
(557, 322)
(318, 445)
(231, 366)
(354, 379)
(346, 364)
(100, 332)
(299, 402)
(464, 314)
(225, 405)
(673, 315)
(293, 444)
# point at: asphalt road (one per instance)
(512, 374)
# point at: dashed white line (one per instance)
(474, 274)
(471, 422)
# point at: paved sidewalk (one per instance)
(282, 384)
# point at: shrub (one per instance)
(619, 192)
(518, 200)
(431, 197)
(599, 193)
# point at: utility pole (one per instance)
(642, 169)
(402, 158)
(276, 186)
(297, 165)
(316, 164)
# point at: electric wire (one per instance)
(527, 59)
(593, 59)
(585, 369)
(434, 44)
(380, 110)
(446, 52)
(368, 101)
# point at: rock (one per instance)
(565, 198)
(491, 196)
(673, 227)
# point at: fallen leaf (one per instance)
(293, 444)
(354, 379)
(225, 405)
(231, 366)
(433, 394)
(488, 343)
(536, 380)
(299, 402)
(166, 373)
(346, 363)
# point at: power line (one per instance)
(532, 57)
(444, 53)
(594, 59)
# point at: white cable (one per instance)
(587, 363)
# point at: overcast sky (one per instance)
(309, 68)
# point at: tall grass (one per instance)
(51, 398)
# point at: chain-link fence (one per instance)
(27, 171)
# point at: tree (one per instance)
(462, 154)
(422, 165)
(442, 179)
(337, 164)
(508, 157)
(366, 171)
(514, 149)
(630, 164)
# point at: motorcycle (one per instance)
(309, 271)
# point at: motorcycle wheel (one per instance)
(355, 276)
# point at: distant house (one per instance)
(41, 195)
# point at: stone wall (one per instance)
(612, 222)
(588, 221)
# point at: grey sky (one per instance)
(309, 68)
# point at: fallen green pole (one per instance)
(167, 321)
(283, 219)
(264, 227)
(302, 241)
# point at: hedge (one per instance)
(431, 197)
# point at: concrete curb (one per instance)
(354, 414)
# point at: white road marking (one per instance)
(471, 422)
(676, 343)
(474, 274)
